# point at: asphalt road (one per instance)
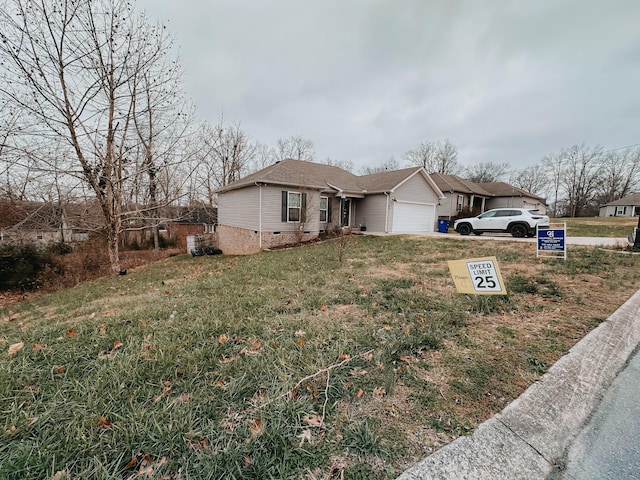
(609, 447)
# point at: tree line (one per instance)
(93, 110)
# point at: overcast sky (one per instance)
(365, 80)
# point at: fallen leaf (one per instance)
(406, 358)
(61, 475)
(226, 359)
(300, 343)
(39, 346)
(166, 389)
(72, 333)
(313, 420)
(117, 345)
(343, 357)
(323, 308)
(186, 398)
(58, 369)
(255, 427)
(223, 338)
(360, 393)
(102, 328)
(220, 383)
(31, 421)
(104, 422)
(2, 341)
(246, 461)
(305, 436)
(93, 315)
(379, 391)
(293, 393)
(15, 348)
(11, 430)
(368, 356)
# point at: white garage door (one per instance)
(413, 217)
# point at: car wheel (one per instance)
(464, 229)
(518, 230)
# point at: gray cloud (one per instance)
(506, 81)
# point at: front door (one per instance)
(345, 212)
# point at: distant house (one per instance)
(293, 201)
(191, 221)
(506, 195)
(465, 196)
(37, 223)
(628, 206)
(460, 195)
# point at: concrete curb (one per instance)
(530, 437)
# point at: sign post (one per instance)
(551, 242)
(480, 276)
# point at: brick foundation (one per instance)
(240, 241)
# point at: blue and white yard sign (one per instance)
(552, 241)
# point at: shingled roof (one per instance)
(631, 199)
(502, 189)
(301, 174)
(454, 183)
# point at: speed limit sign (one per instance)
(480, 276)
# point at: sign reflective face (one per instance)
(551, 240)
(479, 276)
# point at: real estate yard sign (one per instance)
(479, 276)
(551, 241)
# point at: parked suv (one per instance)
(519, 222)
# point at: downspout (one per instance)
(386, 214)
(259, 185)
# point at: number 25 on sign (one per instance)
(479, 276)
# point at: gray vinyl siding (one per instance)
(416, 189)
(240, 208)
(370, 212)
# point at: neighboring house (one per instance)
(472, 198)
(628, 206)
(39, 224)
(505, 195)
(293, 201)
(460, 195)
(191, 221)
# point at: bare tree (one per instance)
(553, 164)
(533, 179)
(70, 66)
(343, 164)
(389, 165)
(581, 176)
(296, 147)
(435, 157)
(620, 174)
(487, 172)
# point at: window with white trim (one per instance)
(324, 209)
(621, 210)
(460, 202)
(294, 206)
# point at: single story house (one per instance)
(293, 201)
(470, 198)
(628, 206)
(39, 224)
(460, 196)
(504, 195)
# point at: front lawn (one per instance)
(286, 364)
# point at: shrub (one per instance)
(22, 267)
